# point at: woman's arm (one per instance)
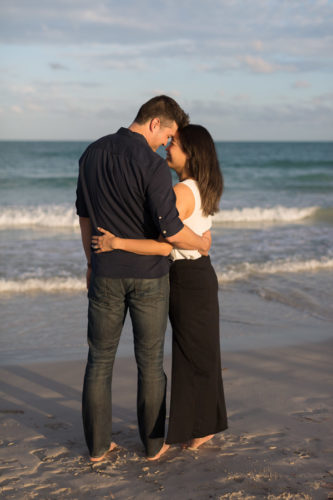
(185, 239)
(109, 242)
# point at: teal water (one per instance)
(273, 237)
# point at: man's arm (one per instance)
(86, 232)
(161, 198)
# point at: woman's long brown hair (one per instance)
(203, 165)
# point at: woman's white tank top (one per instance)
(198, 222)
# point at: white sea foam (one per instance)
(244, 270)
(237, 272)
(49, 285)
(41, 216)
(54, 216)
(259, 214)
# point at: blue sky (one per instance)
(245, 69)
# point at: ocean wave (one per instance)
(244, 270)
(40, 216)
(53, 216)
(259, 214)
(48, 285)
(237, 272)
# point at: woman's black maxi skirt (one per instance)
(197, 406)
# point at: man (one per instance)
(125, 187)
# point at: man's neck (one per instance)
(139, 129)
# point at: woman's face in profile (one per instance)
(176, 157)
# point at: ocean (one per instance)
(272, 248)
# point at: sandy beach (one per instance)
(278, 446)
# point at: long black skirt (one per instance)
(197, 406)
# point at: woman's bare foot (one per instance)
(197, 442)
(164, 448)
(113, 446)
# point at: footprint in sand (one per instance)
(303, 454)
(317, 415)
(41, 454)
(45, 455)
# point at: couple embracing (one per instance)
(134, 226)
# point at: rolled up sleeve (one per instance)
(162, 202)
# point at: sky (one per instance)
(245, 69)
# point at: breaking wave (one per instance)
(237, 272)
(244, 270)
(48, 285)
(51, 216)
(64, 216)
(259, 214)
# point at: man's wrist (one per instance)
(89, 265)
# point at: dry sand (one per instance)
(278, 445)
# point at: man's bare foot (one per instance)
(113, 446)
(197, 442)
(164, 448)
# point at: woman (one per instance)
(197, 408)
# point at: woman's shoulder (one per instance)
(184, 188)
(185, 199)
(190, 183)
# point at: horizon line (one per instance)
(215, 140)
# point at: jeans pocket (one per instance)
(96, 290)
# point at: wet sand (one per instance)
(278, 446)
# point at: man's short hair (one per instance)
(165, 108)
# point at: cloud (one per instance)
(258, 45)
(58, 66)
(263, 37)
(241, 98)
(301, 84)
(259, 65)
(16, 109)
(273, 121)
(254, 23)
(103, 59)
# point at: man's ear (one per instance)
(155, 122)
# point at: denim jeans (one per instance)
(109, 300)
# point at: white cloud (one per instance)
(32, 106)
(258, 45)
(259, 65)
(103, 16)
(301, 84)
(16, 109)
(119, 53)
(241, 98)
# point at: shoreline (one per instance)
(53, 327)
(278, 446)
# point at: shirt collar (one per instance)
(134, 135)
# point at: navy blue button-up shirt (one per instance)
(126, 188)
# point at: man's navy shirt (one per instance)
(126, 188)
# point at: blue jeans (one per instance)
(109, 300)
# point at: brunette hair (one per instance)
(165, 108)
(203, 165)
